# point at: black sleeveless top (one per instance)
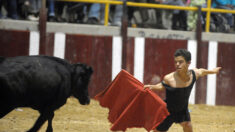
(177, 98)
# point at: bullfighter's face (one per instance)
(181, 64)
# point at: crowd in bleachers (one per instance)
(141, 17)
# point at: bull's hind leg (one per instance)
(41, 120)
(50, 118)
(4, 111)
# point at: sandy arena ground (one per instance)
(73, 117)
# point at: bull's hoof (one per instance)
(31, 131)
(49, 130)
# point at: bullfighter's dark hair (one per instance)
(183, 52)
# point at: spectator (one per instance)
(11, 7)
(159, 23)
(34, 10)
(1, 9)
(228, 5)
(138, 15)
(179, 17)
(143, 11)
(22, 8)
(94, 14)
(192, 15)
(51, 10)
(83, 13)
(59, 8)
(117, 17)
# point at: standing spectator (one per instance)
(117, 17)
(233, 4)
(59, 9)
(51, 10)
(94, 14)
(22, 8)
(35, 7)
(228, 5)
(83, 13)
(75, 12)
(143, 19)
(1, 9)
(11, 9)
(143, 11)
(159, 12)
(179, 17)
(192, 15)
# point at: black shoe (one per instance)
(92, 20)
(60, 19)
(51, 19)
(160, 26)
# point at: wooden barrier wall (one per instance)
(103, 54)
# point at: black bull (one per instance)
(43, 83)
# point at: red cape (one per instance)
(130, 105)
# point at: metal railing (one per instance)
(107, 3)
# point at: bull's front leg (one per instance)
(41, 120)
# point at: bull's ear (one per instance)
(89, 69)
(77, 65)
(84, 66)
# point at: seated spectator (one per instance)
(228, 5)
(192, 15)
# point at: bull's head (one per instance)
(81, 77)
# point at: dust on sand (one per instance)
(73, 117)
